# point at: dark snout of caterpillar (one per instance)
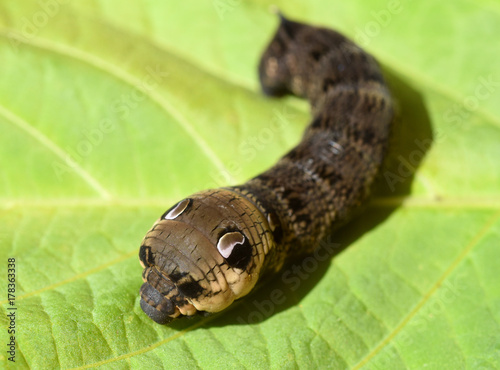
(213, 247)
(155, 305)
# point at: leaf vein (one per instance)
(55, 149)
(434, 288)
(129, 79)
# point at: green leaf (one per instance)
(111, 111)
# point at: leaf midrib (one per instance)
(488, 204)
(466, 202)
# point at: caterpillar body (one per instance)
(211, 248)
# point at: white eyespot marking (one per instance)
(177, 210)
(228, 241)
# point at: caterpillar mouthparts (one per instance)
(166, 306)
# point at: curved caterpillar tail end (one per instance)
(274, 74)
(212, 247)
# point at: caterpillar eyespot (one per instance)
(176, 210)
(211, 248)
(228, 242)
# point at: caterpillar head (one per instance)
(202, 254)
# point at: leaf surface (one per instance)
(112, 111)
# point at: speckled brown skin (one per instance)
(286, 211)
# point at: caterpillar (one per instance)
(212, 247)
